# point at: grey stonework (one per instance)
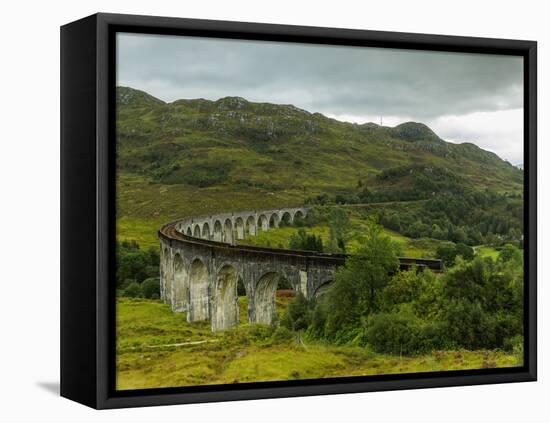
(201, 266)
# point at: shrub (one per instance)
(260, 332)
(150, 287)
(133, 290)
(304, 241)
(509, 253)
(449, 253)
(135, 264)
(282, 335)
(402, 333)
(298, 314)
(355, 292)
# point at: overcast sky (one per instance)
(462, 97)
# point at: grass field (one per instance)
(279, 238)
(158, 348)
(486, 251)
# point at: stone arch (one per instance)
(181, 288)
(274, 221)
(322, 289)
(198, 292)
(206, 231)
(218, 231)
(188, 232)
(228, 231)
(264, 298)
(263, 223)
(251, 226)
(239, 226)
(286, 219)
(197, 231)
(224, 308)
(298, 214)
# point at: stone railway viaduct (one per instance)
(201, 266)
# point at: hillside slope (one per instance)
(199, 156)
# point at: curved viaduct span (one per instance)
(201, 266)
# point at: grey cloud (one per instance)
(349, 80)
(328, 79)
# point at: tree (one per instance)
(150, 288)
(339, 230)
(304, 241)
(298, 314)
(511, 254)
(483, 304)
(135, 263)
(466, 252)
(354, 295)
(404, 287)
(447, 253)
(133, 290)
(438, 233)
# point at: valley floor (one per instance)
(157, 348)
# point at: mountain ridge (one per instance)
(408, 131)
(235, 141)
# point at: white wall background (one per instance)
(29, 178)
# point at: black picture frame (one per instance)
(87, 209)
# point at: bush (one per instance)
(403, 333)
(449, 253)
(282, 335)
(355, 292)
(304, 241)
(133, 290)
(135, 264)
(150, 287)
(298, 314)
(260, 332)
(514, 344)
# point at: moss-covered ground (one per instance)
(158, 348)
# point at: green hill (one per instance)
(199, 156)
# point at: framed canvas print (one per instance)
(255, 211)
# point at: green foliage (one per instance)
(282, 335)
(477, 304)
(402, 333)
(151, 288)
(199, 174)
(339, 231)
(298, 314)
(342, 312)
(133, 290)
(449, 253)
(511, 254)
(491, 216)
(482, 304)
(304, 241)
(134, 263)
(404, 287)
